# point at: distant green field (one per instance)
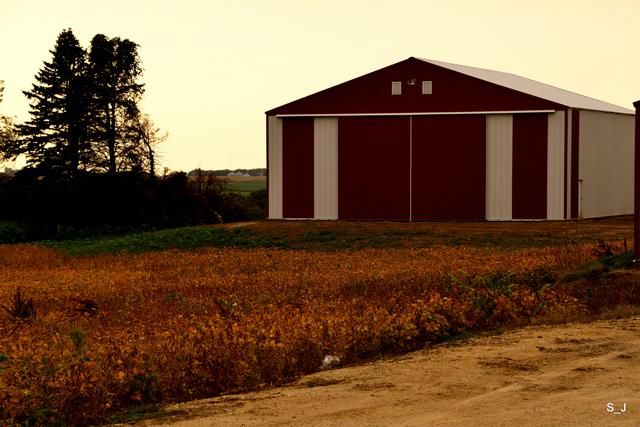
(247, 187)
(246, 184)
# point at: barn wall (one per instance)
(555, 166)
(606, 163)
(297, 167)
(399, 168)
(274, 152)
(499, 161)
(325, 168)
(530, 133)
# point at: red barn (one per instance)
(426, 140)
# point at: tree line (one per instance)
(91, 153)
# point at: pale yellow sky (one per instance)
(213, 67)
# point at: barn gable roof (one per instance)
(467, 89)
(532, 87)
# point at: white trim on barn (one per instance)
(499, 168)
(444, 113)
(275, 167)
(555, 166)
(325, 168)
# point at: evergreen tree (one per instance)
(55, 138)
(115, 68)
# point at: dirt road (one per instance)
(544, 375)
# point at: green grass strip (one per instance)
(178, 238)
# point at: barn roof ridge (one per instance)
(532, 87)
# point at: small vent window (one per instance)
(396, 88)
(427, 87)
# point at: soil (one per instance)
(544, 376)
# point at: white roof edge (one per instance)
(533, 87)
(417, 113)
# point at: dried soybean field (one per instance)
(97, 331)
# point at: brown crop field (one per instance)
(90, 337)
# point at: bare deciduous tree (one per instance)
(7, 131)
(143, 137)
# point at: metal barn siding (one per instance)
(274, 166)
(499, 167)
(373, 168)
(567, 164)
(606, 164)
(448, 167)
(452, 92)
(297, 167)
(555, 166)
(325, 168)
(575, 163)
(530, 166)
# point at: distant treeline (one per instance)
(35, 206)
(226, 172)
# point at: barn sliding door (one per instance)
(297, 167)
(412, 168)
(448, 168)
(373, 165)
(529, 166)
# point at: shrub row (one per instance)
(37, 207)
